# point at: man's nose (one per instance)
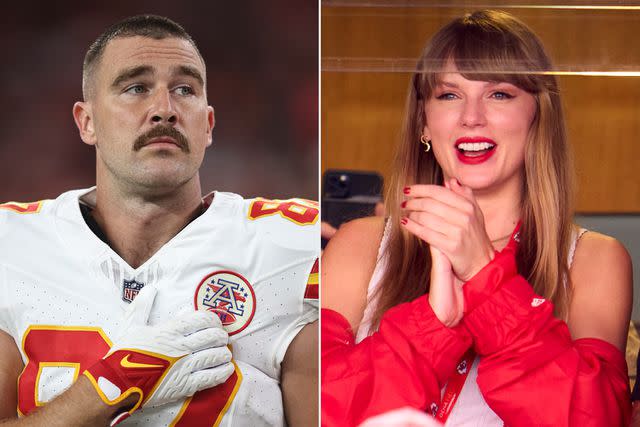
(163, 110)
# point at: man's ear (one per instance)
(211, 123)
(83, 116)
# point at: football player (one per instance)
(139, 301)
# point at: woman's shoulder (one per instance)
(602, 264)
(594, 250)
(601, 275)
(347, 265)
(366, 231)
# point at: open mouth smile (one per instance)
(475, 150)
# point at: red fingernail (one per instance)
(406, 190)
(404, 221)
(403, 205)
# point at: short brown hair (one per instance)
(152, 26)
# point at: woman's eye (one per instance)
(446, 96)
(501, 95)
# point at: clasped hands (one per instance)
(448, 219)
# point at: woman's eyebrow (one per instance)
(447, 84)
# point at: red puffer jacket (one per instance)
(531, 372)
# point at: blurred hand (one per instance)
(404, 417)
(379, 209)
(327, 230)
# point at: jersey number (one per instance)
(76, 348)
(22, 208)
(300, 211)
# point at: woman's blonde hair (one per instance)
(488, 46)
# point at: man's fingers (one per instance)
(206, 338)
(208, 358)
(193, 321)
(211, 377)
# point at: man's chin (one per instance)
(162, 181)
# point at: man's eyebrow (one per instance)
(131, 73)
(187, 70)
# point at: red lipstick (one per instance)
(475, 150)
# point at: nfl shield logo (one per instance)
(130, 289)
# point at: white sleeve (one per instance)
(302, 311)
(308, 315)
(5, 304)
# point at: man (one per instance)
(99, 288)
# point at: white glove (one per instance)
(162, 363)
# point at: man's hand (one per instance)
(161, 363)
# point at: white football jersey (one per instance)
(63, 292)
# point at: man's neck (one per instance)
(137, 226)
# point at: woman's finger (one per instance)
(445, 211)
(433, 222)
(438, 192)
(426, 233)
(462, 190)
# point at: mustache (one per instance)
(162, 130)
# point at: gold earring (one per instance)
(426, 142)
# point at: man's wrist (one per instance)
(95, 405)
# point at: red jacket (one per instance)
(531, 372)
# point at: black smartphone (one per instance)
(349, 194)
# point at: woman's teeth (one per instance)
(475, 148)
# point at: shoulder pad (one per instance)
(22, 208)
(12, 213)
(293, 223)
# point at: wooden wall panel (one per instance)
(362, 111)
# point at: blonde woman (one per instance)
(478, 300)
